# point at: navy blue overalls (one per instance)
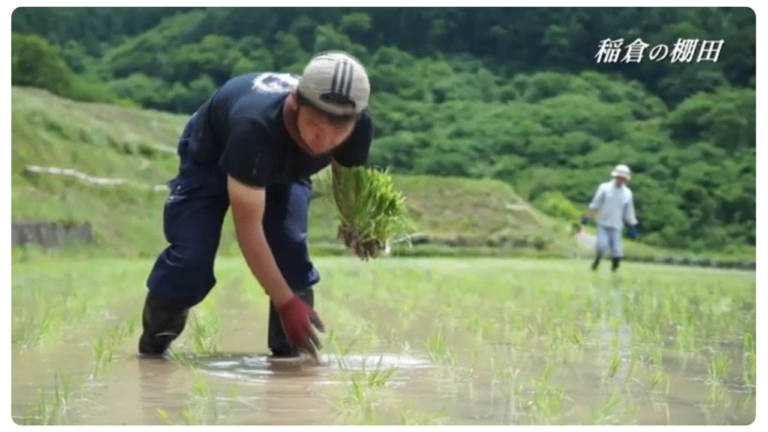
(194, 212)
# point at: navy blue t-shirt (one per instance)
(240, 128)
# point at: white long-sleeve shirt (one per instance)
(614, 205)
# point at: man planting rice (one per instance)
(254, 145)
(614, 205)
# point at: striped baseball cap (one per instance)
(337, 83)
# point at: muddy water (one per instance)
(247, 388)
(238, 384)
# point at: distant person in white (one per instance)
(614, 205)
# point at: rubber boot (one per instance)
(278, 342)
(616, 262)
(596, 263)
(162, 324)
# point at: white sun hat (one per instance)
(621, 171)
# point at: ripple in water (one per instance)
(326, 371)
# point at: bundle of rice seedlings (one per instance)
(371, 212)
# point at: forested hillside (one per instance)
(514, 94)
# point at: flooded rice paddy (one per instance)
(426, 341)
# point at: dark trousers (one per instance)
(193, 214)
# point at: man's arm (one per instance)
(296, 316)
(247, 212)
(247, 159)
(248, 164)
(629, 213)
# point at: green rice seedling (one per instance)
(669, 309)
(439, 351)
(577, 337)
(547, 373)
(55, 296)
(33, 329)
(519, 336)
(373, 378)
(180, 359)
(718, 394)
(614, 363)
(379, 377)
(634, 362)
(659, 377)
(476, 326)
(62, 388)
(102, 354)
(719, 367)
(686, 338)
(718, 370)
(51, 411)
(204, 327)
(616, 340)
(357, 404)
(553, 343)
(405, 314)
(201, 408)
(472, 364)
(497, 370)
(164, 417)
(363, 388)
(614, 324)
(194, 413)
(547, 403)
(341, 349)
(503, 374)
(406, 347)
(61, 394)
(371, 212)
(512, 380)
(364, 335)
(104, 347)
(45, 413)
(331, 340)
(532, 329)
(508, 380)
(647, 333)
(478, 293)
(657, 358)
(352, 328)
(614, 411)
(391, 337)
(750, 361)
(588, 320)
(567, 352)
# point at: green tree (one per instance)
(37, 63)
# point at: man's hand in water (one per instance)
(297, 319)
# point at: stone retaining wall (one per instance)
(50, 234)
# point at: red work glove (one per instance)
(297, 319)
